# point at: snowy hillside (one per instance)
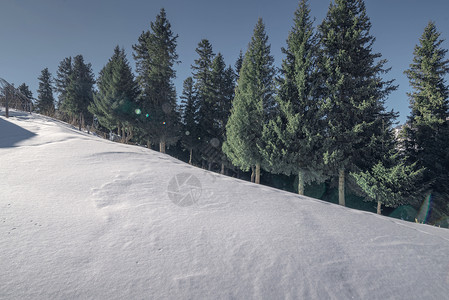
(82, 217)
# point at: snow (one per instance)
(83, 217)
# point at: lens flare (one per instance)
(147, 115)
(425, 210)
(138, 111)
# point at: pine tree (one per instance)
(391, 181)
(238, 65)
(390, 184)
(27, 104)
(79, 90)
(427, 130)
(45, 103)
(293, 138)
(223, 93)
(155, 55)
(62, 79)
(353, 92)
(115, 102)
(25, 90)
(189, 116)
(202, 73)
(252, 105)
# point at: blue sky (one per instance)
(38, 34)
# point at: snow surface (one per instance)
(83, 217)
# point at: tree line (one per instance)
(321, 116)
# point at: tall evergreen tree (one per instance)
(116, 100)
(155, 55)
(223, 93)
(25, 90)
(252, 105)
(62, 79)
(427, 129)
(390, 181)
(353, 92)
(202, 73)
(238, 65)
(293, 138)
(79, 90)
(45, 103)
(189, 116)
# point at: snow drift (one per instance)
(83, 217)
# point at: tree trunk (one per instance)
(162, 146)
(379, 207)
(209, 166)
(129, 135)
(341, 187)
(6, 104)
(301, 182)
(258, 173)
(79, 121)
(253, 175)
(222, 169)
(190, 157)
(148, 144)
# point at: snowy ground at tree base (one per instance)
(85, 218)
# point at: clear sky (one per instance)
(35, 34)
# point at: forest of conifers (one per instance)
(320, 118)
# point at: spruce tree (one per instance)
(252, 105)
(223, 93)
(353, 94)
(155, 55)
(79, 91)
(427, 129)
(25, 90)
(391, 182)
(115, 102)
(202, 73)
(62, 79)
(190, 134)
(293, 138)
(238, 65)
(45, 103)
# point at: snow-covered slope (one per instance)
(82, 217)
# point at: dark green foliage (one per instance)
(25, 90)
(202, 73)
(353, 92)
(62, 79)
(222, 80)
(238, 65)
(391, 183)
(79, 92)
(115, 102)
(404, 212)
(426, 134)
(252, 104)
(155, 55)
(189, 135)
(214, 90)
(293, 138)
(45, 103)
(314, 190)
